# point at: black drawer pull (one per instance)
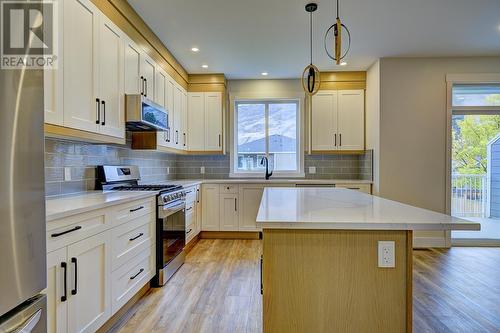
(140, 271)
(64, 297)
(353, 188)
(261, 282)
(134, 238)
(136, 209)
(57, 234)
(189, 231)
(75, 290)
(189, 208)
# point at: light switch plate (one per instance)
(202, 170)
(386, 254)
(67, 173)
(312, 169)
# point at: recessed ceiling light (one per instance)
(343, 63)
(264, 73)
(204, 66)
(195, 49)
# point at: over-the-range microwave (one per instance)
(142, 114)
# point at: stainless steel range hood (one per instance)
(142, 114)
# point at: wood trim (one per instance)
(409, 281)
(343, 76)
(207, 78)
(206, 87)
(56, 131)
(121, 13)
(337, 152)
(229, 235)
(191, 244)
(343, 85)
(120, 315)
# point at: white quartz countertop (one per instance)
(335, 208)
(64, 206)
(192, 182)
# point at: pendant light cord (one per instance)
(337, 8)
(311, 34)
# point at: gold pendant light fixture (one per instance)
(311, 76)
(338, 52)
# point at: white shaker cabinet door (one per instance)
(57, 295)
(351, 118)
(112, 118)
(229, 212)
(196, 121)
(81, 109)
(89, 276)
(213, 121)
(148, 73)
(324, 134)
(210, 207)
(132, 61)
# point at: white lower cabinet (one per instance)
(92, 272)
(249, 202)
(228, 212)
(210, 207)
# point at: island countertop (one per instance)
(334, 208)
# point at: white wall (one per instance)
(373, 120)
(413, 122)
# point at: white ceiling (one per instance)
(242, 38)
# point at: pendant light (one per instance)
(337, 28)
(311, 77)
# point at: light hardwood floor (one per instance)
(218, 290)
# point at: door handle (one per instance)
(98, 111)
(335, 144)
(189, 231)
(184, 134)
(134, 238)
(219, 140)
(75, 289)
(142, 85)
(340, 137)
(146, 90)
(235, 209)
(57, 234)
(261, 282)
(64, 297)
(176, 137)
(103, 113)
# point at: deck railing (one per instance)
(468, 195)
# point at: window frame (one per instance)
(299, 173)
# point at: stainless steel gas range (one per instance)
(170, 215)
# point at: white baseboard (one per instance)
(420, 242)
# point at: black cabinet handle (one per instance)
(235, 204)
(98, 110)
(64, 297)
(142, 85)
(335, 139)
(103, 113)
(340, 137)
(219, 140)
(184, 134)
(134, 238)
(75, 289)
(189, 208)
(197, 195)
(189, 231)
(146, 90)
(136, 275)
(261, 283)
(353, 188)
(176, 137)
(136, 209)
(57, 234)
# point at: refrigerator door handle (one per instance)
(28, 325)
(75, 286)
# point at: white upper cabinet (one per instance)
(351, 119)
(324, 120)
(160, 87)
(196, 121)
(132, 61)
(81, 107)
(184, 122)
(337, 120)
(177, 121)
(112, 118)
(213, 121)
(148, 73)
(92, 71)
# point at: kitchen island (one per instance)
(322, 269)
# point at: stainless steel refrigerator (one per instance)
(22, 202)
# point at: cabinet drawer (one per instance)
(366, 188)
(131, 277)
(131, 238)
(190, 195)
(229, 189)
(129, 211)
(72, 229)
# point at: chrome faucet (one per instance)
(268, 174)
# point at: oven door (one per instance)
(171, 233)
